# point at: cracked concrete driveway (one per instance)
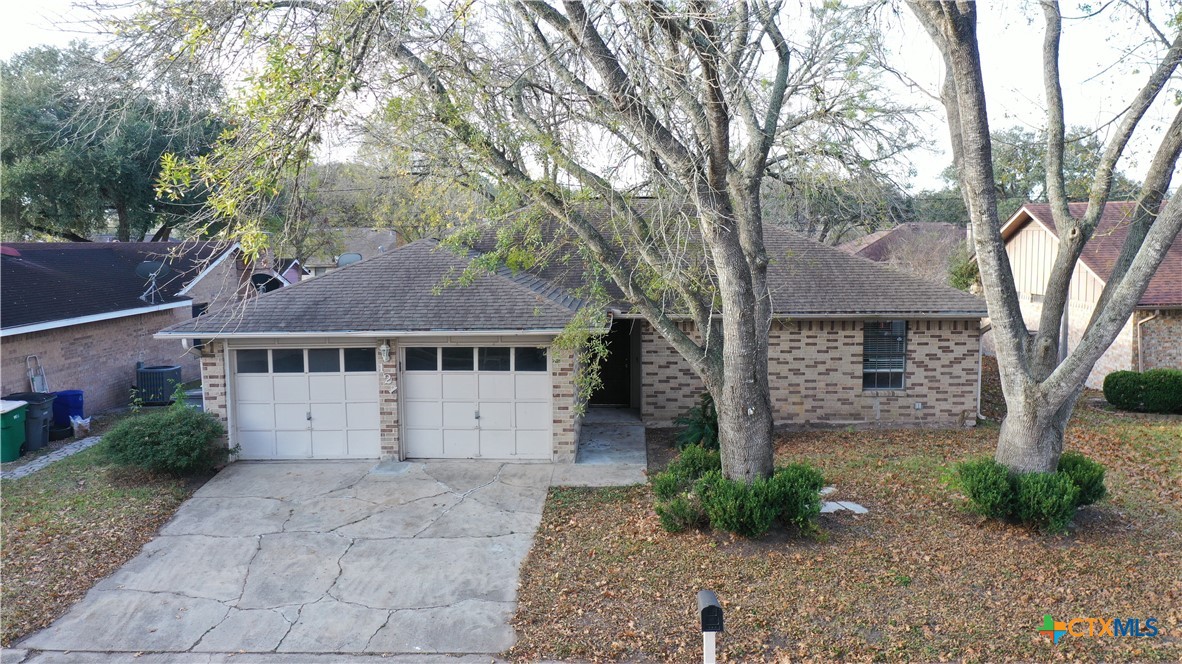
(323, 557)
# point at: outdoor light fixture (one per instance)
(384, 349)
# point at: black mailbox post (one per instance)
(711, 611)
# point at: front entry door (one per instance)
(616, 369)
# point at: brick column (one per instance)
(213, 381)
(388, 403)
(565, 426)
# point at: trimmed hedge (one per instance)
(692, 492)
(1045, 500)
(1155, 391)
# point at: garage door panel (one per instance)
(256, 444)
(326, 387)
(533, 444)
(497, 444)
(291, 416)
(532, 386)
(254, 388)
(496, 385)
(496, 415)
(364, 444)
(422, 385)
(461, 444)
(361, 387)
(293, 444)
(459, 386)
(459, 415)
(532, 415)
(330, 444)
(328, 416)
(361, 415)
(424, 443)
(256, 416)
(291, 389)
(424, 415)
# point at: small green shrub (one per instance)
(738, 507)
(179, 440)
(701, 425)
(680, 513)
(666, 484)
(1124, 389)
(987, 484)
(1046, 500)
(796, 489)
(1086, 475)
(679, 477)
(1161, 390)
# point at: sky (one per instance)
(1010, 33)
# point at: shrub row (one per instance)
(692, 492)
(179, 440)
(1155, 391)
(1045, 500)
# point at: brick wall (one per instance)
(213, 381)
(388, 403)
(98, 358)
(1161, 339)
(815, 372)
(564, 404)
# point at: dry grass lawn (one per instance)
(916, 579)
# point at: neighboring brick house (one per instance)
(365, 242)
(87, 315)
(1151, 338)
(381, 359)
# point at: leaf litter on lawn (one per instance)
(917, 578)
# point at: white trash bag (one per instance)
(81, 426)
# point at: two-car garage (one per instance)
(456, 401)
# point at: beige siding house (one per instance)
(1151, 338)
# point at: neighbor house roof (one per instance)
(55, 284)
(368, 242)
(883, 245)
(1103, 249)
(419, 287)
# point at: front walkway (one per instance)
(614, 437)
(321, 557)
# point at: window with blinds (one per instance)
(884, 355)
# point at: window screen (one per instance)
(458, 359)
(360, 359)
(324, 360)
(884, 355)
(288, 360)
(422, 359)
(530, 359)
(252, 361)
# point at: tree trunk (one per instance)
(1031, 436)
(123, 233)
(744, 430)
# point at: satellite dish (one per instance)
(150, 269)
(348, 259)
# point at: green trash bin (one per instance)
(12, 430)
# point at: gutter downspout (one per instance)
(1140, 348)
(980, 371)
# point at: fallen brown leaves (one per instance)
(916, 579)
(66, 527)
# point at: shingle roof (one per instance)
(805, 277)
(883, 245)
(43, 282)
(1103, 249)
(401, 290)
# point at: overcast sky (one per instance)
(1010, 36)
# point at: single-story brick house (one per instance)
(83, 310)
(1151, 338)
(378, 360)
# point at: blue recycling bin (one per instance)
(67, 403)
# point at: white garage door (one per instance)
(465, 402)
(306, 403)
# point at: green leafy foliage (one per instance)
(680, 513)
(679, 477)
(1155, 391)
(796, 490)
(1087, 476)
(749, 509)
(179, 440)
(963, 271)
(700, 424)
(987, 484)
(1045, 500)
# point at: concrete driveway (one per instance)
(323, 557)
